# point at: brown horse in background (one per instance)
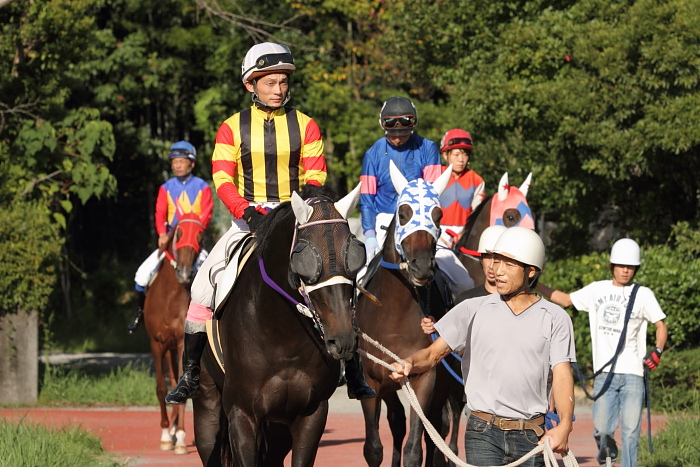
(403, 285)
(164, 317)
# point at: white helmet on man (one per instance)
(626, 252)
(266, 58)
(489, 237)
(521, 244)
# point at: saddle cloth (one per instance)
(226, 279)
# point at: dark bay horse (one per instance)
(403, 286)
(164, 317)
(283, 330)
(508, 207)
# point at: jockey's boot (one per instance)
(140, 301)
(188, 386)
(357, 386)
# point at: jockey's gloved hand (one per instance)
(252, 215)
(371, 248)
(653, 358)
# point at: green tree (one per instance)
(597, 98)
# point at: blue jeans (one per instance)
(486, 445)
(621, 402)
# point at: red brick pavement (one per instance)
(134, 434)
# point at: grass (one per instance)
(29, 445)
(123, 386)
(675, 446)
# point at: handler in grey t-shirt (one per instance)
(518, 348)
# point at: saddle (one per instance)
(235, 261)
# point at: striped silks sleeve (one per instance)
(224, 163)
(312, 159)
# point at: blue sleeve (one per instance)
(433, 153)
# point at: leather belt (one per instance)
(513, 424)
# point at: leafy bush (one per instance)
(671, 271)
(29, 247)
(674, 446)
(675, 384)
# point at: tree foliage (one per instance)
(597, 98)
(29, 246)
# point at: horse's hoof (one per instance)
(166, 446)
(180, 450)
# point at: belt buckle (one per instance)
(500, 424)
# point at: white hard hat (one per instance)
(266, 58)
(521, 244)
(626, 252)
(489, 237)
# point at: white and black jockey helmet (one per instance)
(263, 59)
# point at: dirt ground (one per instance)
(134, 433)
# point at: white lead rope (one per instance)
(545, 448)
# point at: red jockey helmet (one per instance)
(456, 139)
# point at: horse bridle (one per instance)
(172, 255)
(314, 259)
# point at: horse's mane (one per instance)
(283, 215)
(474, 216)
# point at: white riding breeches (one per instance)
(202, 291)
(148, 268)
(381, 226)
(456, 274)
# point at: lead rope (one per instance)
(545, 448)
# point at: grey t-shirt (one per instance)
(508, 358)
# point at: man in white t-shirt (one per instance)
(606, 305)
(518, 349)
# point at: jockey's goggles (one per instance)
(181, 153)
(404, 121)
(266, 61)
(456, 141)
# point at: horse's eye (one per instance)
(437, 215)
(405, 214)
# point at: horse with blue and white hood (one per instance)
(402, 285)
